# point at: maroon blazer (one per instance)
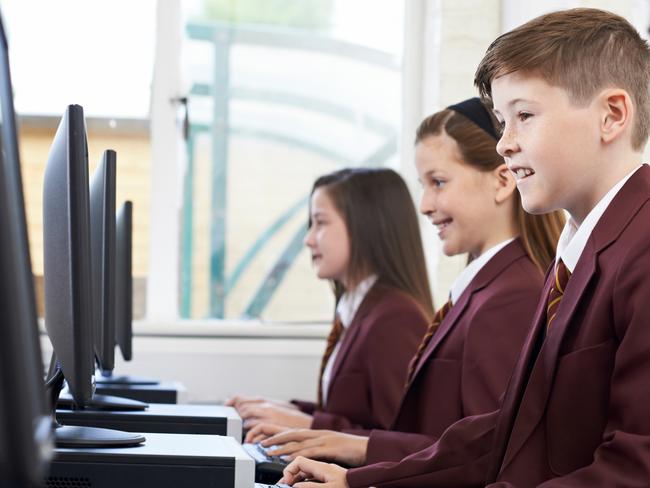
(576, 412)
(370, 368)
(465, 368)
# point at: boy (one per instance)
(571, 90)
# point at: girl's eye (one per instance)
(524, 116)
(438, 183)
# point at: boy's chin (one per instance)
(535, 207)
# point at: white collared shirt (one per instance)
(574, 238)
(346, 310)
(472, 269)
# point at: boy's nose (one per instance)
(506, 145)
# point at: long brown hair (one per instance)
(383, 228)
(539, 233)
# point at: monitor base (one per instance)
(124, 380)
(76, 437)
(102, 402)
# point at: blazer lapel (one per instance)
(445, 327)
(492, 269)
(538, 386)
(353, 330)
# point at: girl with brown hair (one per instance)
(364, 236)
(466, 357)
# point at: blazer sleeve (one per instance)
(393, 334)
(460, 458)
(623, 456)
(305, 406)
(392, 445)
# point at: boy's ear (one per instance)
(617, 113)
(505, 183)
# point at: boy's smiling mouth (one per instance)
(521, 173)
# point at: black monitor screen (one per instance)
(102, 226)
(67, 261)
(124, 281)
(25, 428)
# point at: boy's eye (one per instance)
(438, 183)
(524, 115)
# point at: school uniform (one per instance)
(575, 413)
(465, 367)
(364, 385)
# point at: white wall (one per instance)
(216, 360)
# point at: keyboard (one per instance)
(279, 485)
(267, 468)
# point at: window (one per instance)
(280, 92)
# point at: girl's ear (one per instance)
(505, 183)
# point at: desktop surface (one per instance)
(164, 460)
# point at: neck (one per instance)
(608, 174)
(500, 230)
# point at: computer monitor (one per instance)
(103, 254)
(124, 299)
(67, 276)
(25, 427)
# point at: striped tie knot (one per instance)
(435, 323)
(332, 339)
(562, 275)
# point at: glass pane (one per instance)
(281, 92)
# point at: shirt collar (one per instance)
(472, 269)
(574, 238)
(350, 301)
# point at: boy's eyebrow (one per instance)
(513, 102)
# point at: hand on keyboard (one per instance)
(259, 454)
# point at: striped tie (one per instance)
(437, 320)
(562, 275)
(332, 339)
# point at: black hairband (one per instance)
(475, 111)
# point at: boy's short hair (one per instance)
(582, 50)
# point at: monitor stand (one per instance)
(112, 379)
(74, 436)
(79, 437)
(102, 402)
